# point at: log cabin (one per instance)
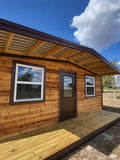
(45, 79)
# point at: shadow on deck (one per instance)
(56, 140)
(112, 109)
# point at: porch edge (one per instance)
(79, 142)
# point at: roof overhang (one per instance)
(20, 40)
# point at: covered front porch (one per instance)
(56, 140)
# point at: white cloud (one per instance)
(118, 62)
(99, 25)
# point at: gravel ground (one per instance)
(105, 146)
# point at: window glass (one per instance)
(29, 82)
(68, 86)
(90, 86)
(89, 80)
(28, 91)
(90, 90)
(29, 74)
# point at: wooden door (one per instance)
(67, 95)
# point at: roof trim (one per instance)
(26, 31)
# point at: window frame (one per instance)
(93, 86)
(14, 83)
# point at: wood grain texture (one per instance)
(15, 119)
(45, 142)
(35, 47)
(9, 39)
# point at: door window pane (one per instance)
(68, 82)
(28, 91)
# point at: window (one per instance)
(29, 80)
(68, 82)
(90, 86)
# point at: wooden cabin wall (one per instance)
(15, 119)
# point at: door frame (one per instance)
(60, 85)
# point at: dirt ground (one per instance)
(104, 146)
(108, 99)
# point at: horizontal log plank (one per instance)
(29, 116)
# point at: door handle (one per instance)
(73, 97)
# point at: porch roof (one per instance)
(20, 40)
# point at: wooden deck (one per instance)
(53, 141)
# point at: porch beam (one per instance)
(75, 57)
(105, 71)
(94, 64)
(101, 68)
(70, 52)
(88, 60)
(35, 47)
(56, 49)
(8, 41)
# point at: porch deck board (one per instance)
(45, 142)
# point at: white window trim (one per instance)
(24, 82)
(90, 86)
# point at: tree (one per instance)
(26, 77)
(111, 81)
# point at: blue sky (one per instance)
(54, 17)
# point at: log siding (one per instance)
(20, 118)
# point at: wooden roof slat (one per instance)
(18, 49)
(35, 47)
(104, 70)
(46, 47)
(19, 46)
(72, 51)
(94, 64)
(56, 49)
(109, 73)
(88, 60)
(74, 57)
(9, 39)
(22, 37)
(100, 68)
(13, 52)
(83, 58)
(84, 67)
(22, 43)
